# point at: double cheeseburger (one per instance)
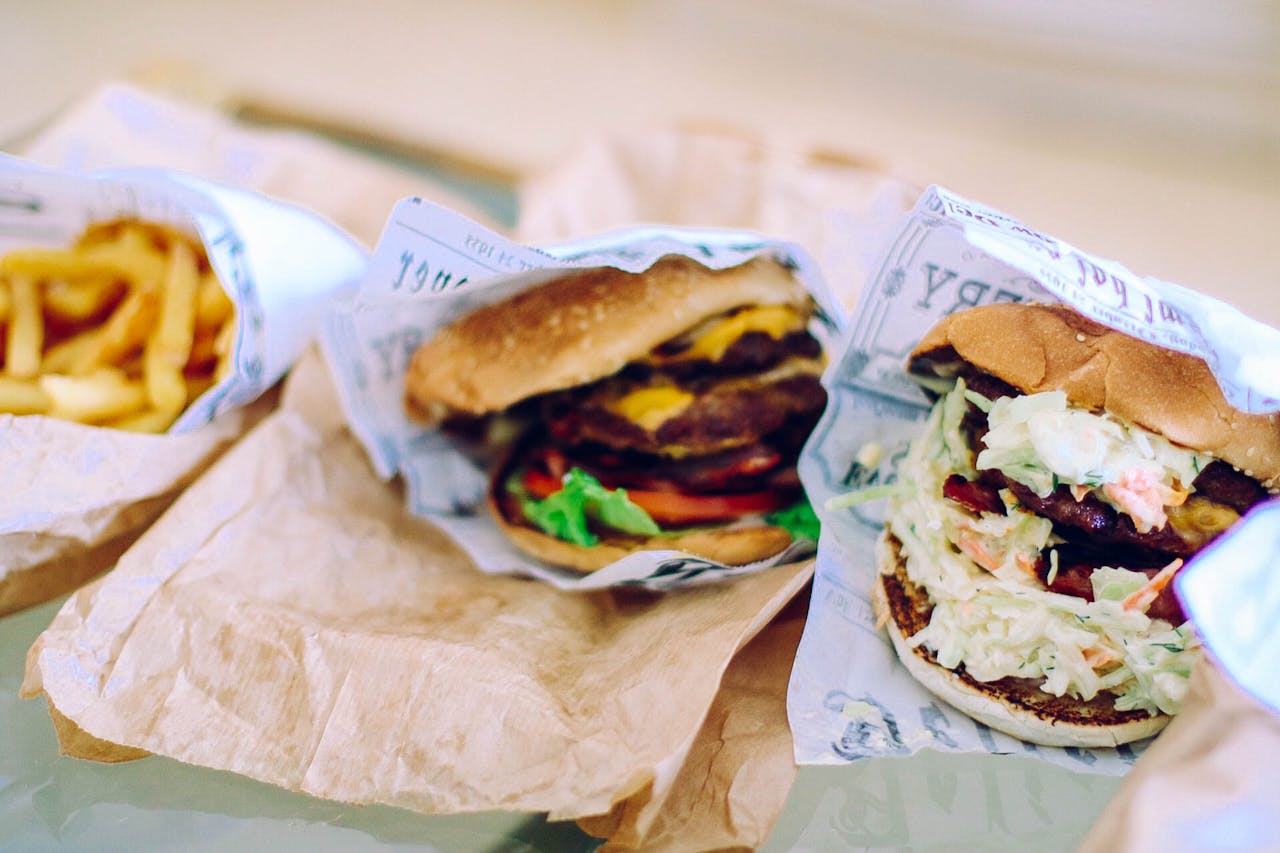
(660, 410)
(1065, 474)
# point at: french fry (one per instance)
(213, 306)
(124, 332)
(68, 355)
(132, 257)
(26, 329)
(79, 301)
(204, 353)
(197, 385)
(103, 395)
(169, 345)
(148, 420)
(22, 397)
(138, 326)
(223, 345)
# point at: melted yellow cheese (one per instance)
(774, 320)
(651, 407)
(1199, 519)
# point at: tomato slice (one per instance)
(674, 507)
(541, 485)
(677, 508)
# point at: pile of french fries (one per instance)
(122, 330)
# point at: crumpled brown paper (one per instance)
(727, 793)
(287, 620)
(87, 492)
(355, 191)
(840, 208)
(1211, 781)
(79, 495)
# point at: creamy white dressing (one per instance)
(991, 613)
(1040, 442)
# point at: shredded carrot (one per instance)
(1099, 656)
(1144, 497)
(1141, 598)
(1027, 564)
(971, 545)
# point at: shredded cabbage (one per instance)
(991, 612)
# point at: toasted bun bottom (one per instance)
(733, 547)
(1015, 706)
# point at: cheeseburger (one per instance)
(623, 412)
(1064, 475)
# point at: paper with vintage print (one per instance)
(849, 696)
(86, 489)
(433, 265)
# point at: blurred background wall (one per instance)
(1144, 131)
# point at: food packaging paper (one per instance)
(741, 768)
(734, 782)
(433, 265)
(840, 207)
(1212, 778)
(120, 125)
(86, 489)
(287, 620)
(849, 696)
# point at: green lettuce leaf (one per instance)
(799, 519)
(564, 513)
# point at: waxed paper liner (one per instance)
(840, 207)
(88, 492)
(1210, 781)
(288, 621)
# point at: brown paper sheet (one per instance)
(287, 620)
(734, 782)
(840, 208)
(1211, 781)
(86, 493)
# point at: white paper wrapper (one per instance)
(88, 488)
(1231, 591)
(279, 264)
(433, 265)
(849, 697)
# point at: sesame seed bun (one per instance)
(578, 329)
(1038, 348)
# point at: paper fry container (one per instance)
(432, 266)
(86, 491)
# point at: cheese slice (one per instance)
(653, 406)
(710, 344)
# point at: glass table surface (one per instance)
(928, 802)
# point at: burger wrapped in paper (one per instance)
(632, 411)
(1064, 475)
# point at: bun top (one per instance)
(1036, 348)
(577, 329)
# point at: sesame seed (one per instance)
(1080, 337)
